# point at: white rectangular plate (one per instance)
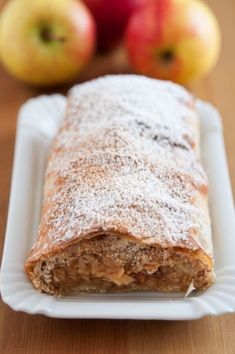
(37, 125)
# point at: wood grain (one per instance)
(21, 333)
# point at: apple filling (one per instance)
(107, 263)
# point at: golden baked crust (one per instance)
(125, 197)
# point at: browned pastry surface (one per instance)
(125, 197)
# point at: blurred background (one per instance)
(48, 46)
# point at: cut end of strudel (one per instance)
(125, 196)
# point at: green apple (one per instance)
(46, 42)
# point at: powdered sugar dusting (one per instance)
(126, 159)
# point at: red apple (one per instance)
(176, 40)
(111, 18)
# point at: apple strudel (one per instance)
(125, 195)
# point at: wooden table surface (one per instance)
(21, 333)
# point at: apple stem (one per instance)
(48, 36)
(167, 56)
